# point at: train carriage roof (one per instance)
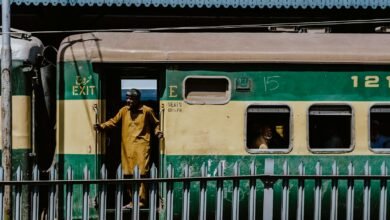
(25, 49)
(138, 47)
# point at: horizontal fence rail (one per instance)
(288, 194)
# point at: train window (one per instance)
(206, 90)
(268, 128)
(330, 128)
(380, 128)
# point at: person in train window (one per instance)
(138, 124)
(378, 140)
(264, 137)
(278, 140)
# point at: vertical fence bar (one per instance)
(103, 194)
(350, 192)
(203, 193)
(153, 193)
(86, 195)
(219, 199)
(170, 174)
(186, 194)
(318, 191)
(135, 186)
(383, 198)
(286, 190)
(367, 192)
(118, 194)
(335, 192)
(18, 195)
(1, 194)
(52, 193)
(268, 191)
(35, 194)
(236, 193)
(301, 193)
(252, 192)
(69, 195)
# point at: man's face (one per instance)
(266, 132)
(132, 101)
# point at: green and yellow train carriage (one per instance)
(25, 51)
(323, 97)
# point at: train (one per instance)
(33, 116)
(320, 97)
(323, 96)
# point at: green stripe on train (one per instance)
(76, 80)
(297, 83)
(22, 158)
(77, 162)
(21, 81)
(309, 163)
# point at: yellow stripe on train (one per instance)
(221, 129)
(21, 122)
(75, 120)
(203, 129)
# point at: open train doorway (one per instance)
(115, 86)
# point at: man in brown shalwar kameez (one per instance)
(138, 123)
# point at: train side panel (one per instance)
(77, 148)
(204, 133)
(24, 54)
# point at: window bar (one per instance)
(219, 199)
(1, 194)
(286, 191)
(301, 193)
(334, 201)
(86, 194)
(153, 194)
(350, 192)
(52, 193)
(118, 194)
(35, 194)
(136, 189)
(18, 195)
(69, 195)
(252, 192)
(203, 194)
(186, 194)
(236, 193)
(318, 191)
(103, 194)
(268, 190)
(367, 192)
(383, 198)
(170, 174)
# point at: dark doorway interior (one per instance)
(116, 80)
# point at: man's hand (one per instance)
(160, 135)
(97, 127)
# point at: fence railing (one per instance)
(165, 188)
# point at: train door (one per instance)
(115, 85)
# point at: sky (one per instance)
(139, 84)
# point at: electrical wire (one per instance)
(383, 21)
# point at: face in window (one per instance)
(264, 137)
(266, 132)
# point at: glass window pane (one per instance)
(330, 127)
(206, 90)
(380, 127)
(268, 128)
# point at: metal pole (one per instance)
(6, 105)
